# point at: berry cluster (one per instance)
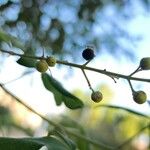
(88, 54)
(139, 97)
(42, 65)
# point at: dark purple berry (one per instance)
(88, 54)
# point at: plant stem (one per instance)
(21, 55)
(108, 73)
(98, 144)
(89, 84)
(131, 87)
(138, 69)
(28, 107)
(103, 71)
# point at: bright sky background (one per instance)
(32, 91)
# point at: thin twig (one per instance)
(112, 77)
(21, 55)
(108, 73)
(87, 62)
(138, 69)
(21, 76)
(103, 71)
(28, 107)
(95, 143)
(131, 87)
(43, 52)
(89, 84)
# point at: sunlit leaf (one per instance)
(27, 62)
(61, 94)
(126, 109)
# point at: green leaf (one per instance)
(57, 95)
(69, 122)
(27, 62)
(125, 109)
(71, 145)
(61, 94)
(10, 39)
(14, 144)
(51, 143)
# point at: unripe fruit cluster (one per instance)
(139, 97)
(42, 65)
(145, 63)
(96, 96)
(88, 54)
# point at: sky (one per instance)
(31, 90)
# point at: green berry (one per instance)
(88, 54)
(42, 66)
(139, 97)
(145, 63)
(96, 96)
(51, 61)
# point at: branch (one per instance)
(98, 144)
(108, 73)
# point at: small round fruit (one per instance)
(42, 66)
(51, 61)
(96, 96)
(139, 97)
(88, 54)
(145, 63)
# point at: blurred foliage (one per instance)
(107, 124)
(8, 123)
(66, 27)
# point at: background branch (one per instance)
(98, 144)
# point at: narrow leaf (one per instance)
(68, 122)
(71, 145)
(57, 95)
(125, 109)
(61, 94)
(27, 62)
(52, 143)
